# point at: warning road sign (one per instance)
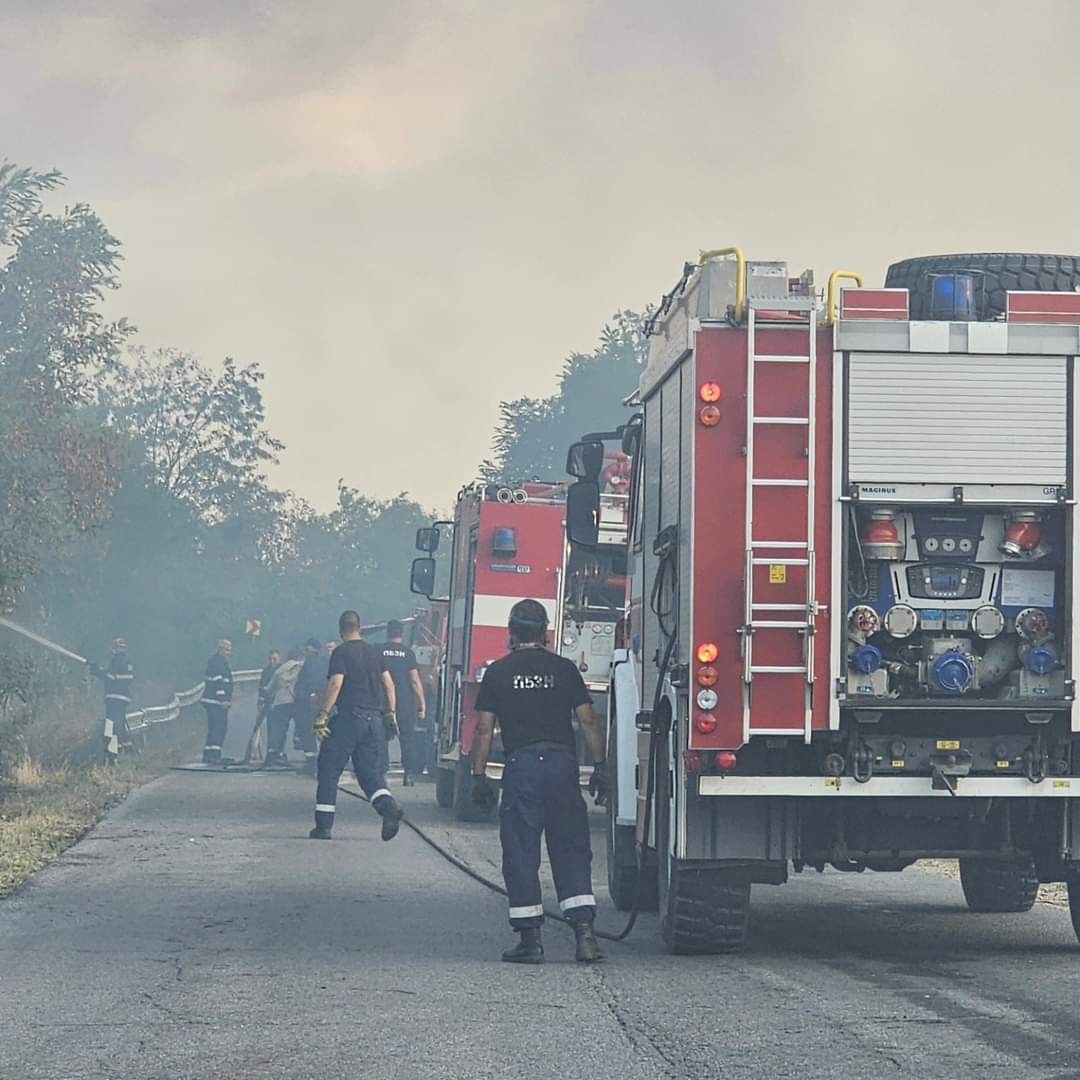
(253, 627)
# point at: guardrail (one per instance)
(143, 719)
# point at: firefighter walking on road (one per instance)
(216, 699)
(533, 694)
(400, 661)
(357, 683)
(118, 676)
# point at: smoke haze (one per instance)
(406, 212)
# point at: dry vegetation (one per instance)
(45, 809)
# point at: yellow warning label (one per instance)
(832, 781)
(1063, 783)
(948, 744)
(898, 764)
(777, 574)
(1003, 764)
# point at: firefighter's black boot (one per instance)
(529, 950)
(588, 949)
(319, 834)
(391, 814)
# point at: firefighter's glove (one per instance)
(321, 726)
(599, 784)
(484, 793)
(390, 728)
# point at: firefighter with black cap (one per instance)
(533, 694)
(356, 685)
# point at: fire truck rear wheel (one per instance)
(999, 272)
(705, 911)
(464, 807)
(999, 886)
(444, 788)
(1074, 903)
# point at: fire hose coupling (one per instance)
(954, 672)
(866, 659)
(1040, 659)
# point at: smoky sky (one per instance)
(407, 211)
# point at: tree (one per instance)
(52, 332)
(202, 435)
(56, 465)
(533, 433)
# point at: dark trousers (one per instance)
(411, 761)
(304, 718)
(116, 711)
(277, 727)
(217, 725)
(541, 794)
(358, 736)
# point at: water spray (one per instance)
(42, 640)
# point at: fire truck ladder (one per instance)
(762, 551)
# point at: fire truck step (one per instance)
(779, 483)
(781, 562)
(771, 670)
(781, 359)
(781, 420)
(778, 544)
(771, 624)
(779, 607)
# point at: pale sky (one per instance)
(406, 211)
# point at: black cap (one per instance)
(313, 643)
(528, 615)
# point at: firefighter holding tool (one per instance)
(533, 694)
(357, 681)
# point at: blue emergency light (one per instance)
(952, 297)
(504, 541)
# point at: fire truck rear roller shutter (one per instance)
(1000, 272)
(907, 414)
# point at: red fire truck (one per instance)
(507, 544)
(849, 623)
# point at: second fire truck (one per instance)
(507, 543)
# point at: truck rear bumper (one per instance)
(891, 787)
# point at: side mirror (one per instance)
(427, 540)
(584, 460)
(583, 514)
(631, 438)
(422, 577)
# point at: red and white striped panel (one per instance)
(1043, 307)
(889, 304)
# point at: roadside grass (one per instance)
(44, 810)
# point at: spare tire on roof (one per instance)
(996, 274)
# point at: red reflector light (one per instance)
(707, 653)
(692, 762)
(726, 760)
(707, 676)
(709, 416)
(705, 723)
(710, 392)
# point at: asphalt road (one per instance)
(198, 933)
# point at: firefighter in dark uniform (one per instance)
(118, 676)
(216, 699)
(400, 661)
(356, 684)
(310, 684)
(533, 693)
(272, 664)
